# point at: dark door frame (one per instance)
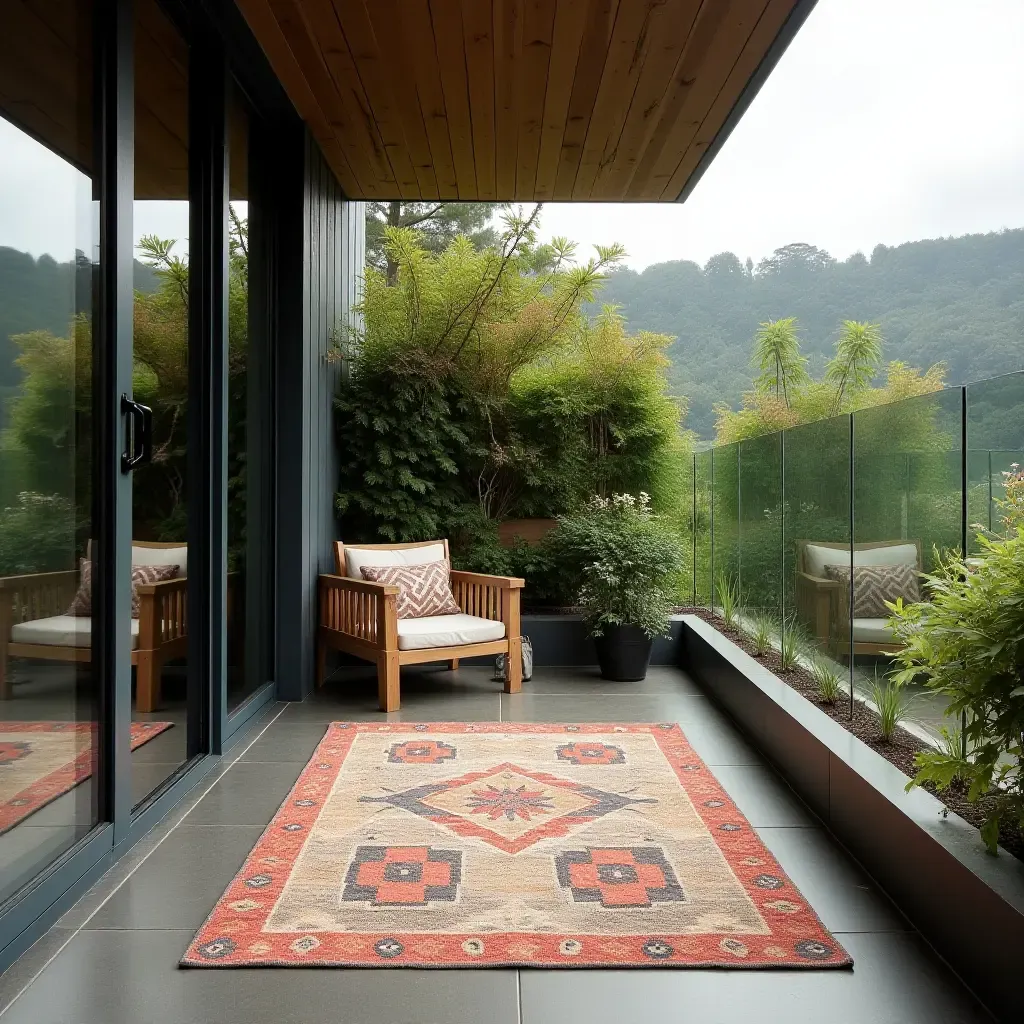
(219, 43)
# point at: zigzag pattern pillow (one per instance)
(423, 589)
(873, 585)
(81, 604)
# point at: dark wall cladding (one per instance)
(324, 281)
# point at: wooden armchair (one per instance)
(360, 618)
(823, 604)
(33, 623)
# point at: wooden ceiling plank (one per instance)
(384, 20)
(668, 40)
(478, 38)
(586, 83)
(348, 23)
(705, 65)
(632, 38)
(758, 44)
(265, 28)
(567, 37)
(327, 47)
(450, 40)
(508, 33)
(538, 31)
(416, 33)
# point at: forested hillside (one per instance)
(41, 295)
(956, 300)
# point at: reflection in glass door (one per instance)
(250, 552)
(159, 633)
(48, 252)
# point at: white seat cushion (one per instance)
(817, 556)
(61, 631)
(873, 631)
(162, 556)
(447, 631)
(357, 557)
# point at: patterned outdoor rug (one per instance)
(498, 844)
(40, 761)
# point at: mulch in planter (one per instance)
(865, 726)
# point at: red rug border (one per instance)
(64, 779)
(697, 782)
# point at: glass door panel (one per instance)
(160, 506)
(49, 220)
(250, 548)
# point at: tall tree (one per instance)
(777, 356)
(858, 353)
(438, 224)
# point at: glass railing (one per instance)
(785, 520)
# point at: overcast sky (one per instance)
(884, 121)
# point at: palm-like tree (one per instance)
(858, 353)
(777, 356)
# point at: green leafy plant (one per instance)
(967, 643)
(827, 678)
(761, 628)
(37, 534)
(892, 705)
(728, 598)
(792, 644)
(477, 389)
(625, 559)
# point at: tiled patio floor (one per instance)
(113, 958)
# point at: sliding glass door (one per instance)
(49, 251)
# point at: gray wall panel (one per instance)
(332, 254)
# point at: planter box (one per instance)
(562, 641)
(968, 904)
(532, 531)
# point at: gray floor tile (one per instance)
(124, 977)
(895, 980)
(720, 744)
(30, 963)
(762, 797)
(531, 707)
(588, 681)
(835, 886)
(287, 741)
(179, 883)
(248, 794)
(468, 707)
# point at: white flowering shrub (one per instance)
(623, 559)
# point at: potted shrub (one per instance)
(624, 561)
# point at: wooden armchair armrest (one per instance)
(39, 579)
(35, 596)
(163, 612)
(501, 582)
(818, 582)
(331, 582)
(363, 609)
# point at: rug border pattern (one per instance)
(65, 778)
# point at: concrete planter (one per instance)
(968, 904)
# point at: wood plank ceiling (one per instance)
(516, 99)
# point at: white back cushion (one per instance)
(162, 556)
(355, 558)
(817, 556)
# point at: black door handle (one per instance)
(138, 434)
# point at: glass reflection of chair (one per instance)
(823, 600)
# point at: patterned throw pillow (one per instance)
(873, 585)
(82, 602)
(423, 589)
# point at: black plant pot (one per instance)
(624, 652)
